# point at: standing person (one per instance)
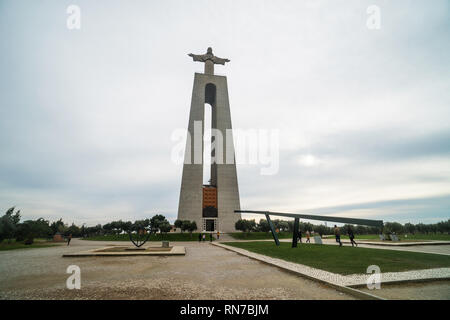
(69, 238)
(337, 233)
(218, 235)
(210, 237)
(351, 236)
(307, 237)
(300, 235)
(199, 237)
(204, 237)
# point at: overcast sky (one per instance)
(86, 116)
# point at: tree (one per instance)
(73, 230)
(127, 226)
(282, 225)
(263, 225)
(156, 221)
(116, 227)
(165, 226)
(178, 223)
(108, 228)
(276, 224)
(360, 229)
(31, 229)
(410, 228)
(390, 227)
(94, 231)
(291, 226)
(185, 224)
(58, 226)
(8, 224)
(159, 223)
(321, 229)
(141, 225)
(308, 226)
(433, 228)
(443, 226)
(192, 227)
(240, 225)
(83, 232)
(251, 225)
(245, 225)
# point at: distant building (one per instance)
(58, 237)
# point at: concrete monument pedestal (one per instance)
(210, 206)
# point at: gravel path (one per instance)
(206, 272)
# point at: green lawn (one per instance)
(186, 236)
(259, 235)
(346, 260)
(20, 245)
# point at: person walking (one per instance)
(351, 236)
(307, 237)
(337, 233)
(69, 238)
(300, 235)
(218, 235)
(199, 237)
(204, 237)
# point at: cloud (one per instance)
(86, 116)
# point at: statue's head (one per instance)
(209, 51)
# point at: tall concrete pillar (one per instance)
(211, 89)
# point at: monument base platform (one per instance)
(119, 251)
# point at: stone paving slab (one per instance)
(435, 249)
(353, 280)
(175, 250)
(402, 244)
(357, 280)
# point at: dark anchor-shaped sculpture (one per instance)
(142, 237)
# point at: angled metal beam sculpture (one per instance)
(272, 228)
(297, 216)
(295, 234)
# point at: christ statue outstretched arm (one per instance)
(209, 59)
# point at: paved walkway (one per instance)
(434, 290)
(436, 249)
(205, 272)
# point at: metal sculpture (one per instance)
(296, 216)
(142, 236)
